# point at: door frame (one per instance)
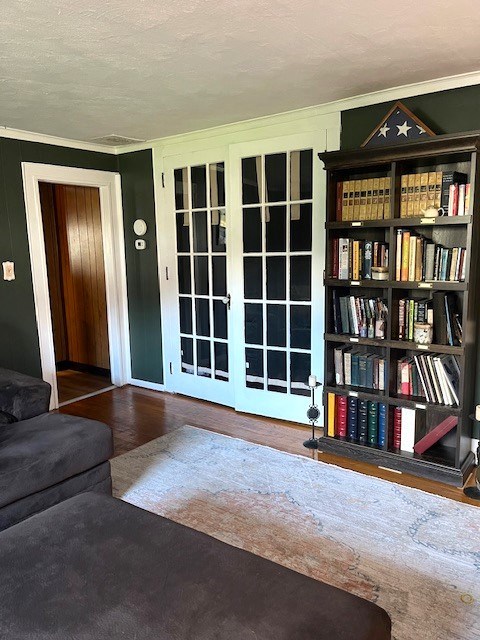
(109, 186)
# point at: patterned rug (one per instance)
(414, 554)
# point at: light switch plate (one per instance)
(8, 271)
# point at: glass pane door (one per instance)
(278, 289)
(200, 327)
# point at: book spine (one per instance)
(331, 415)
(410, 195)
(432, 176)
(341, 201)
(352, 419)
(467, 199)
(381, 198)
(405, 255)
(372, 435)
(386, 200)
(362, 428)
(376, 182)
(461, 200)
(335, 257)
(367, 259)
(398, 256)
(397, 428)
(368, 214)
(342, 416)
(403, 196)
(453, 200)
(407, 438)
(356, 200)
(363, 200)
(438, 189)
(412, 257)
(382, 424)
(416, 199)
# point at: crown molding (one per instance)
(363, 100)
(30, 136)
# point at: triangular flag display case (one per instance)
(400, 333)
(398, 126)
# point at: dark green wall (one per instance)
(19, 347)
(450, 111)
(142, 272)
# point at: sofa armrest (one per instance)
(23, 396)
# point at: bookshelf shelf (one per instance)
(407, 345)
(393, 284)
(448, 458)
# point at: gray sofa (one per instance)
(45, 458)
(97, 568)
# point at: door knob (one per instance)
(227, 300)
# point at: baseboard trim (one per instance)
(145, 384)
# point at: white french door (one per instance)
(196, 314)
(243, 290)
(277, 189)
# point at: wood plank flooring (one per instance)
(75, 384)
(137, 416)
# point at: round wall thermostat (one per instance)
(140, 227)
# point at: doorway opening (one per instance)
(72, 228)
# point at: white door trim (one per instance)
(109, 185)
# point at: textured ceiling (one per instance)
(149, 68)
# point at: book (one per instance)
(363, 200)
(407, 433)
(372, 432)
(331, 414)
(341, 416)
(397, 428)
(375, 188)
(410, 195)
(435, 434)
(362, 422)
(405, 255)
(386, 199)
(382, 424)
(381, 198)
(342, 200)
(416, 195)
(356, 200)
(352, 419)
(403, 196)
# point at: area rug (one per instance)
(414, 554)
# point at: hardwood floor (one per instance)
(137, 416)
(75, 384)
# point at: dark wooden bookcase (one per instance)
(450, 460)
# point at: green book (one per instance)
(372, 422)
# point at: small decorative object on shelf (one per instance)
(313, 413)
(402, 292)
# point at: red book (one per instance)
(335, 246)
(341, 415)
(453, 200)
(339, 201)
(435, 434)
(397, 427)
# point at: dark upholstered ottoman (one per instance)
(96, 568)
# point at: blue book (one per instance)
(382, 424)
(352, 419)
(362, 370)
(355, 377)
(369, 371)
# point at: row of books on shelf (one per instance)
(367, 199)
(359, 316)
(419, 259)
(370, 423)
(359, 259)
(446, 191)
(439, 312)
(366, 317)
(434, 377)
(358, 369)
